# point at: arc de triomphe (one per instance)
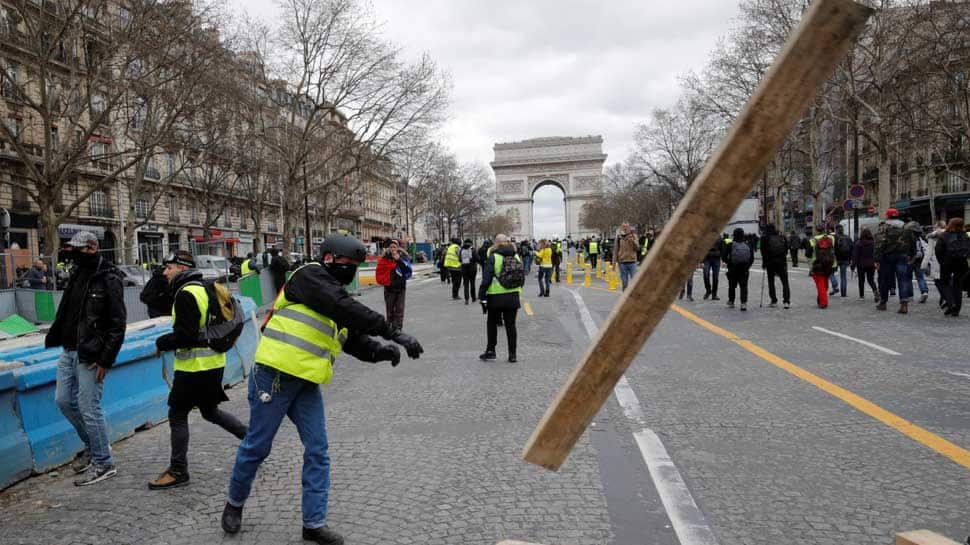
(575, 165)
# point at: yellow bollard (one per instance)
(599, 272)
(587, 282)
(569, 274)
(613, 282)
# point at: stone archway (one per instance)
(573, 164)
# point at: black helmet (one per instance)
(343, 245)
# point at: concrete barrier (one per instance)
(135, 395)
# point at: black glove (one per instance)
(484, 307)
(388, 352)
(410, 344)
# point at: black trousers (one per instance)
(178, 421)
(952, 279)
(712, 272)
(494, 317)
(455, 275)
(592, 260)
(867, 275)
(394, 305)
(468, 274)
(794, 258)
(782, 273)
(736, 279)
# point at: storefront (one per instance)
(245, 245)
(151, 244)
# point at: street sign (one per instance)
(848, 205)
(872, 210)
(857, 191)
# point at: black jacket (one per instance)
(313, 286)
(100, 322)
(779, 260)
(726, 257)
(503, 301)
(185, 328)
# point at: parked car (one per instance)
(133, 275)
(213, 267)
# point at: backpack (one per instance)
(894, 242)
(776, 246)
(512, 274)
(467, 255)
(740, 254)
(843, 247)
(824, 254)
(957, 247)
(226, 319)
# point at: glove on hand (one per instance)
(388, 352)
(484, 307)
(410, 344)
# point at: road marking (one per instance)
(860, 341)
(686, 518)
(528, 308)
(926, 438)
(957, 374)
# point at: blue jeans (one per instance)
(895, 267)
(920, 278)
(712, 270)
(302, 402)
(627, 271)
(545, 279)
(527, 263)
(78, 397)
(843, 268)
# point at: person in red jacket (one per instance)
(393, 272)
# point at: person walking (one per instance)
(864, 263)
(500, 300)
(452, 263)
(822, 256)
(931, 264)
(90, 327)
(278, 267)
(469, 268)
(774, 256)
(525, 251)
(198, 369)
(483, 253)
(38, 278)
(393, 272)
(712, 270)
(556, 248)
(843, 257)
(920, 249)
(626, 255)
(313, 320)
(953, 251)
(739, 257)
(894, 249)
(594, 251)
(794, 244)
(544, 261)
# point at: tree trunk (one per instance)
(129, 250)
(932, 191)
(49, 220)
(885, 180)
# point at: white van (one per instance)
(848, 226)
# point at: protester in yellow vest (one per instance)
(594, 251)
(314, 319)
(453, 266)
(500, 303)
(198, 369)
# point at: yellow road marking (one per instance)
(907, 428)
(528, 308)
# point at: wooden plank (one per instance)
(923, 537)
(809, 57)
(516, 543)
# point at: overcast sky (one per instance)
(530, 68)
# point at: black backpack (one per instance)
(843, 248)
(226, 319)
(957, 248)
(776, 246)
(512, 274)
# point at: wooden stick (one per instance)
(807, 60)
(923, 537)
(516, 543)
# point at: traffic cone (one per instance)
(587, 282)
(569, 274)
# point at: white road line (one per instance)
(860, 341)
(686, 518)
(957, 374)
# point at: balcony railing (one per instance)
(101, 211)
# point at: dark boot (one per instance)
(487, 355)
(903, 308)
(512, 358)
(231, 518)
(323, 536)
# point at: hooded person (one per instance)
(393, 272)
(90, 326)
(452, 265)
(498, 301)
(739, 257)
(469, 268)
(198, 369)
(313, 320)
(774, 256)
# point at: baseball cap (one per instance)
(83, 239)
(892, 213)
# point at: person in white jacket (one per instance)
(930, 264)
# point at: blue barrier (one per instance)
(135, 395)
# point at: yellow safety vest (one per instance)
(300, 341)
(198, 358)
(559, 247)
(646, 246)
(496, 288)
(594, 247)
(246, 269)
(452, 261)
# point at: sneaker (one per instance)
(690, 299)
(744, 307)
(232, 518)
(773, 304)
(881, 306)
(322, 536)
(715, 298)
(833, 292)
(707, 296)
(169, 479)
(787, 306)
(512, 358)
(923, 298)
(730, 304)
(487, 355)
(82, 463)
(96, 475)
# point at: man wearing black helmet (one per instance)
(313, 320)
